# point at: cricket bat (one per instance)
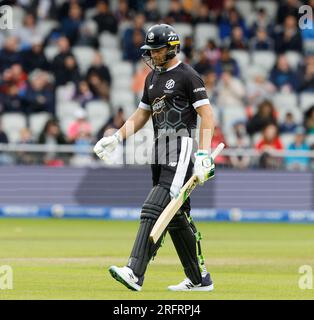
(176, 203)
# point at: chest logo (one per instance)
(151, 86)
(170, 84)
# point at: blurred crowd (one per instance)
(29, 79)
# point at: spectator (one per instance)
(88, 35)
(259, 89)
(239, 142)
(151, 12)
(99, 87)
(123, 13)
(34, 58)
(81, 127)
(83, 156)
(289, 38)
(282, 76)
(39, 94)
(210, 81)
(298, 163)
(98, 67)
(309, 120)
(203, 65)
(71, 25)
(105, 20)
(188, 49)
(203, 14)
(270, 142)
(306, 75)
(9, 54)
(264, 116)
(237, 41)
(212, 52)
(289, 125)
(115, 122)
(287, 8)
(177, 13)
(261, 41)
(227, 63)
(231, 91)
(23, 157)
(133, 39)
(51, 136)
(27, 32)
(262, 22)
(83, 94)
(70, 72)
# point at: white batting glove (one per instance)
(106, 145)
(204, 166)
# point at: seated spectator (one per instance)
(19, 76)
(298, 163)
(239, 141)
(39, 95)
(87, 35)
(51, 136)
(259, 89)
(70, 25)
(203, 65)
(83, 143)
(188, 49)
(210, 81)
(11, 101)
(98, 67)
(9, 54)
(228, 22)
(231, 91)
(212, 52)
(203, 14)
(99, 87)
(227, 63)
(151, 11)
(70, 72)
(287, 8)
(262, 22)
(80, 126)
(289, 38)
(27, 32)
(133, 38)
(282, 76)
(261, 41)
(115, 122)
(309, 120)
(23, 157)
(264, 116)
(270, 142)
(105, 20)
(83, 94)
(289, 125)
(177, 13)
(306, 75)
(123, 12)
(238, 41)
(34, 58)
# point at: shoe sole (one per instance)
(197, 289)
(119, 278)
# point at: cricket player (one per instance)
(173, 96)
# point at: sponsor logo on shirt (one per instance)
(158, 105)
(170, 84)
(199, 89)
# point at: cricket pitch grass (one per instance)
(69, 259)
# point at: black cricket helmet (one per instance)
(160, 36)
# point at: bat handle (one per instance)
(217, 150)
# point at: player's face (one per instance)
(159, 56)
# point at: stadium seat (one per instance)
(205, 32)
(67, 109)
(111, 56)
(306, 100)
(46, 26)
(270, 7)
(84, 57)
(51, 52)
(123, 69)
(183, 30)
(243, 59)
(294, 58)
(284, 100)
(108, 40)
(121, 83)
(18, 15)
(287, 139)
(98, 113)
(231, 116)
(163, 6)
(37, 122)
(89, 13)
(265, 59)
(256, 138)
(124, 98)
(12, 123)
(244, 7)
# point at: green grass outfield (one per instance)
(69, 259)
